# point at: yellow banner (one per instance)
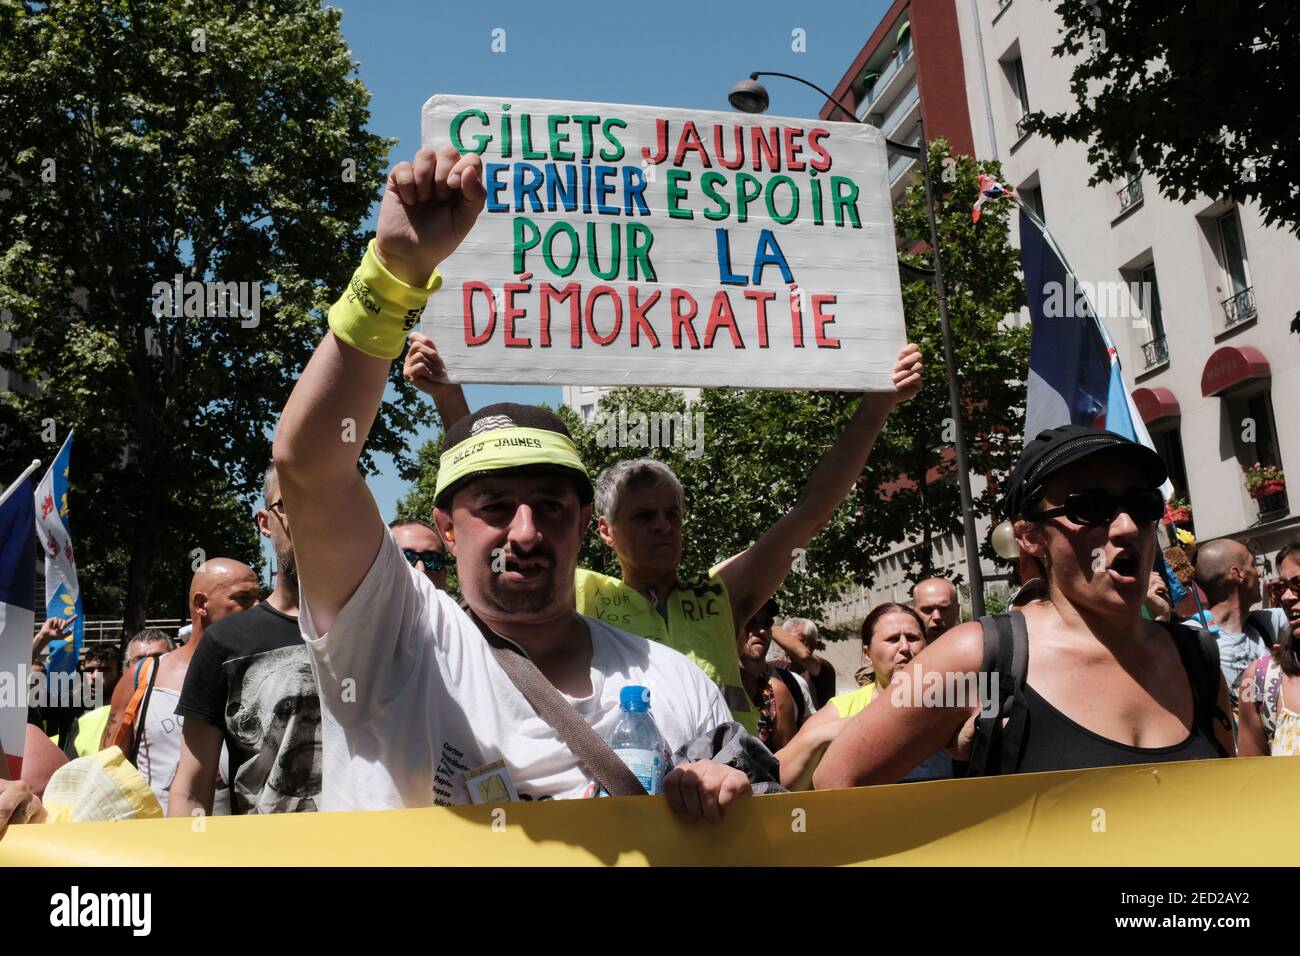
(1178, 814)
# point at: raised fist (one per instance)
(429, 206)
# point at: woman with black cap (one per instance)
(1078, 679)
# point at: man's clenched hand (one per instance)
(704, 789)
(429, 206)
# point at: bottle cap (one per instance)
(634, 698)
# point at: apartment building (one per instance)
(1198, 297)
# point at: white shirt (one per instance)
(412, 699)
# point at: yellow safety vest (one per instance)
(699, 625)
(90, 728)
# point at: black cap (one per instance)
(513, 415)
(1055, 448)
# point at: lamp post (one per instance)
(750, 96)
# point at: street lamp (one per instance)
(750, 96)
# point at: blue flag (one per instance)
(1069, 366)
(62, 594)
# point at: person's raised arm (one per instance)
(755, 574)
(195, 785)
(429, 206)
(900, 728)
(796, 650)
(423, 367)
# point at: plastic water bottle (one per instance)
(637, 740)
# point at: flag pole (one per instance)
(36, 463)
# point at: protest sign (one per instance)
(630, 245)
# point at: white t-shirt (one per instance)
(412, 699)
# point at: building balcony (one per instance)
(880, 90)
(1156, 352)
(902, 112)
(1240, 307)
(1130, 194)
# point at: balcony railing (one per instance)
(1021, 132)
(889, 125)
(1156, 352)
(1130, 194)
(896, 63)
(1239, 307)
(1003, 4)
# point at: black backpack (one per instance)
(997, 749)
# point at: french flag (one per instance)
(1074, 371)
(17, 614)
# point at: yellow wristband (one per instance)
(378, 309)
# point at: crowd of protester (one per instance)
(359, 682)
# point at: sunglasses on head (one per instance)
(433, 560)
(1096, 507)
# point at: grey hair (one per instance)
(637, 473)
(270, 484)
(805, 625)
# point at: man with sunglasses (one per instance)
(422, 549)
(1103, 686)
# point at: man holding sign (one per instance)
(645, 246)
(416, 703)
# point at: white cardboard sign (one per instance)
(630, 245)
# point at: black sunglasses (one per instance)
(1096, 507)
(433, 560)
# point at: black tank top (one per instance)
(1055, 742)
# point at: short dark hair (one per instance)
(105, 654)
(890, 607)
(1289, 550)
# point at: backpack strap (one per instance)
(1202, 664)
(1013, 734)
(146, 696)
(1003, 668)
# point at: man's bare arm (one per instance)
(796, 650)
(195, 785)
(755, 574)
(428, 208)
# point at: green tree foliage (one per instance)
(759, 446)
(222, 140)
(1203, 92)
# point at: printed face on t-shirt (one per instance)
(516, 541)
(274, 712)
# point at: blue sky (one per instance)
(671, 54)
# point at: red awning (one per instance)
(1153, 404)
(1232, 365)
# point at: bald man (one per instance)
(221, 587)
(1226, 572)
(935, 599)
